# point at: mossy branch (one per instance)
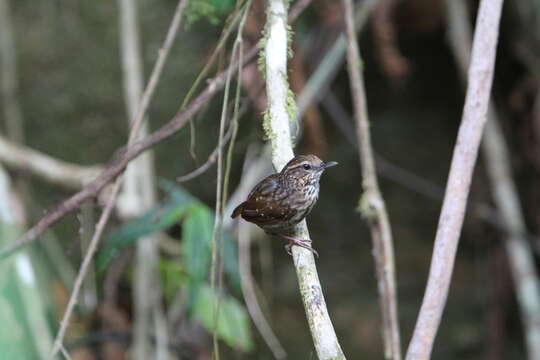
(277, 123)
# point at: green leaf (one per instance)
(176, 193)
(24, 311)
(223, 5)
(233, 324)
(157, 219)
(173, 275)
(197, 238)
(201, 9)
(197, 224)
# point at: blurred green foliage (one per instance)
(189, 272)
(211, 10)
(25, 314)
(233, 324)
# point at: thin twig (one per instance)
(505, 193)
(92, 247)
(222, 181)
(230, 24)
(277, 126)
(218, 220)
(250, 298)
(100, 227)
(213, 155)
(372, 205)
(64, 352)
(238, 50)
(408, 179)
(480, 77)
(326, 71)
(520, 254)
(123, 157)
(250, 175)
(209, 162)
(139, 191)
(158, 67)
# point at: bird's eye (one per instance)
(307, 166)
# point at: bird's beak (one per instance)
(329, 164)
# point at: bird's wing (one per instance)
(266, 203)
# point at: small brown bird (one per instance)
(282, 200)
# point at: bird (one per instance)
(282, 200)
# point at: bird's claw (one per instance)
(306, 244)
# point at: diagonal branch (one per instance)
(55, 171)
(250, 297)
(277, 125)
(105, 215)
(127, 154)
(87, 261)
(319, 82)
(117, 166)
(139, 191)
(480, 78)
(372, 204)
(505, 194)
(251, 164)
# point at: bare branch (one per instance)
(277, 125)
(475, 110)
(319, 82)
(372, 204)
(214, 154)
(505, 193)
(139, 189)
(55, 171)
(250, 298)
(255, 166)
(209, 162)
(158, 67)
(92, 248)
(124, 156)
(221, 188)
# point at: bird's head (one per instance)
(305, 169)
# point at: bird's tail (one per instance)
(238, 210)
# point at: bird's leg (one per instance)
(306, 244)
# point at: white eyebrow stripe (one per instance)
(301, 164)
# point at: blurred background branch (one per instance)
(47, 168)
(125, 155)
(505, 192)
(475, 112)
(371, 204)
(138, 194)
